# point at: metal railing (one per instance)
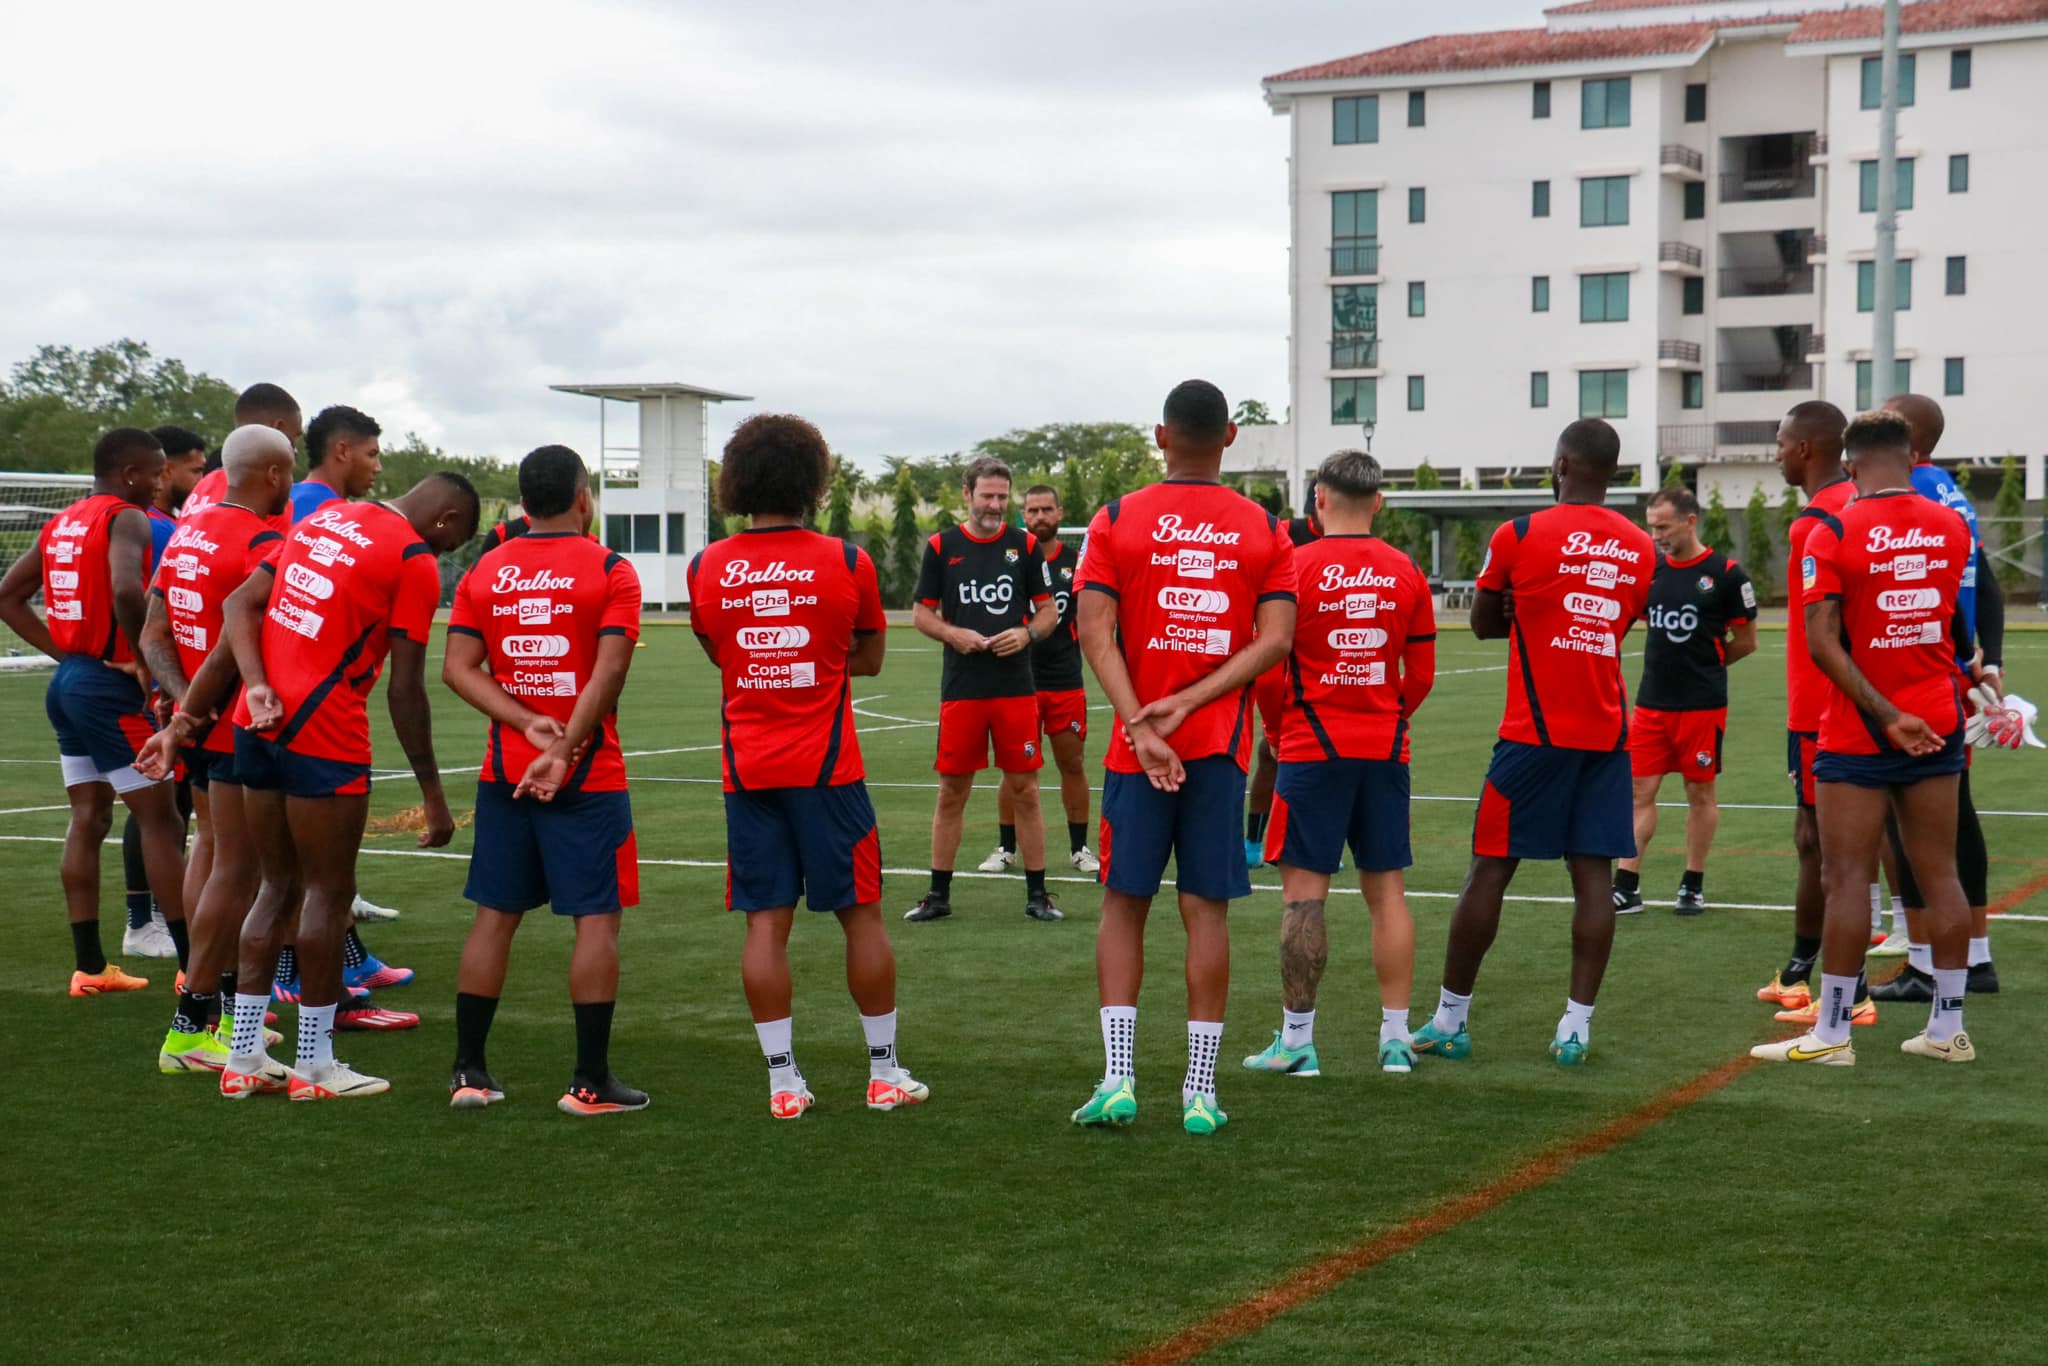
(1816, 246)
(1819, 146)
(1735, 377)
(1354, 351)
(1767, 182)
(1685, 253)
(1816, 345)
(1756, 433)
(1693, 438)
(1355, 256)
(1678, 350)
(1678, 154)
(1746, 282)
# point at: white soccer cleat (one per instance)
(1956, 1048)
(151, 941)
(335, 1081)
(1084, 860)
(896, 1088)
(367, 911)
(1807, 1048)
(1000, 860)
(1894, 946)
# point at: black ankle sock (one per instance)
(1805, 953)
(138, 910)
(593, 1040)
(1034, 882)
(181, 940)
(287, 965)
(1627, 881)
(1007, 836)
(353, 951)
(1693, 882)
(229, 984)
(196, 1010)
(942, 883)
(85, 946)
(1077, 836)
(473, 1016)
(1255, 825)
(1862, 990)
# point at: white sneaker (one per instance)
(1894, 946)
(1085, 861)
(999, 860)
(151, 941)
(335, 1081)
(366, 910)
(896, 1087)
(1807, 1048)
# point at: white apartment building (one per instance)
(1661, 212)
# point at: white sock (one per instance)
(1451, 1009)
(1578, 1019)
(1298, 1028)
(1920, 956)
(1837, 1004)
(246, 1038)
(881, 1035)
(1980, 950)
(1945, 1020)
(1119, 1041)
(1205, 1041)
(1899, 915)
(1876, 898)
(316, 1036)
(776, 1047)
(1394, 1025)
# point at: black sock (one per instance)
(287, 964)
(195, 1011)
(1805, 952)
(1255, 825)
(472, 1026)
(593, 1040)
(85, 945)
(138, 910)
(1627, 881)
(1007, 836)
(228, 983)
(1862, 989)
(1034, 882)
(942, 884)
(352, 950)
(181, 940)
(1693, 882)
(1077, 836)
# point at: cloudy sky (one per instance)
(919, 224)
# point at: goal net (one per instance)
(27, 502)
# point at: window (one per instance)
(1692, 389)
(1866, 285)
(1695, 200)
(1355, 232)
(1873, 81)
(1539, 294)
(1604, 104)
(1952, 376)
(1357, 119)
(1902, 382)
(676, 539)
(1692, 295)
(1418, 204)
(1958, 275)
(1415, 298)
(1414, 393)
(647, 533)
(1959, 79)
(1866, 190)
(1354, 326)
(1696, 104)
(639, 534)
(1539, 388)
(1539, 100)
(618, 533)
(1959, 173)
(1418, 101)
(1603, 298)
(1603, 201)
(1539, 199)
(1603, 393)
(1353, 401)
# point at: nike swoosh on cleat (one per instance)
(1801, 1055)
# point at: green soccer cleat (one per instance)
(1438, 1045)
(1292, 1062)
(1114, 1102)
(1569, 1052)
(201, 1052)
(1200, 1116)
(1397, 1055)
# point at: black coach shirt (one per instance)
(1056, 660)
(1302, 531)
(1692, 605)
(986, 587)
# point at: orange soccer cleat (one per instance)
(108, 979)
(1865, 1013)
(1796, 996)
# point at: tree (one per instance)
(409, 460)
(2008, 508)
(1426, 476)
(1788, 511)
(714, 517)
(874, 538)
(1714, 525)
(1469, 548)
(907, 540)
(1074, 497)
(839, 503)
(1674, 476)
(1756, 541)
(59, 401)
(1252, 413)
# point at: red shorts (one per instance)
(1064, 711)
(1687, 743)
(1270, 694)
(1802, 747)
(968, 727)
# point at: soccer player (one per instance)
(1062, 697)
(791, 618)
(1563, 585)
(213, 553)
(1364, 659)
(1702, 619)
(539, 641)
(984, 594)
(1187, 597)
(1269, 694)
(1883, 625)
(259, 405)
(308, 634)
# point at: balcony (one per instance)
(1817, 346)
(1763, 433)
(1686, 163)
(1695, 439)
(1676, 355)
(1679, 258)
(1817, 249)
(1770, 166)
(1740, 377)
(1765, 264)
(1355, 256)
(1751, 282)
(1355, 351)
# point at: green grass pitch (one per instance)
(1892, 1212)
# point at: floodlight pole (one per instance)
(1884, 300)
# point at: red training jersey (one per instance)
(1187, 562)
(78, 583)
(209, 557)
(779, 607)
(1894, 561)
(212, 490)
(1364, 651)
(1580, 574)
(1807, 689)
(540, 605)
(349, 577)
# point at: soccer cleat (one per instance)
(607, 1097)
(472, 1088)
(1627, 903)
(335, 1081)
(1983, 980)
(1200, 1116)
(1292, 1062)
(1864, 1012)
(374, 972)
(1084, 860)
(1397, 1055)
(150, 941)
(1877, 937)
(999, 860)
(791, 1104)
(1039, 906)
(224, 1030)
(1956, 1048)
(1909, 986)
(178, 983)
(897, 1088)
(1784, 994)
(929, 908)
(108, 979)
(1114, 1102)
(360, 1014)
(287, 993)
(1890, 946)
(1807, 1048)
(201, 1052)
(1254, 853)
(1439, 1045)
(367, 911)
(1569, 1051)
(266, 1075)
(1690, 902)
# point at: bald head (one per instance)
(258, 462)
(1923, 416)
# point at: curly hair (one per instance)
(776, 463)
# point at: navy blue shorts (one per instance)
(264, 765)
(205, 767)
(1893, 769)
(576, 853)
(1544, 802)
(1201, 827)
(1321, 805)
(818, 843)
(98, 713)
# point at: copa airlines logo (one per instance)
(1908, 599)
(1194, 600)
(740, 573)
(1883, 540)
(1335, 578)
(1582, 543)
(309, 581)
(540, 581)
(1367, 638)
(1593, 605)
(350, 530)
(536, 647)
(1172, 530)
(773, 637)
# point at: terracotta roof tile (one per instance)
(1937, 16)
(1511, 47)
(1606, 6)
